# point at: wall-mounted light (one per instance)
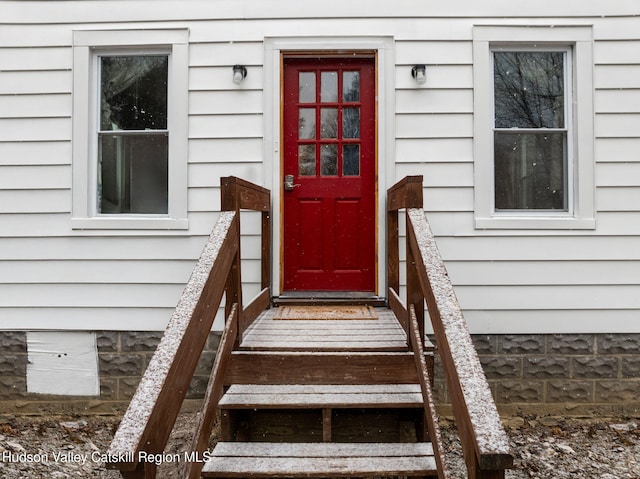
(239, 73)
(419, 74)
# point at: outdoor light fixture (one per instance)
(419, 74)
(239, 73)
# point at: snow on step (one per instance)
(326, 395)
(259, 459)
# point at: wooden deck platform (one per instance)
(382, 334)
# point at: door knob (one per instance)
(288, 183)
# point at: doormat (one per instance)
(325, 312)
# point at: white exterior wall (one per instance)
(508, 281)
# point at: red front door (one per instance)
(329, 174)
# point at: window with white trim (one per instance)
(533, 138)
(130, 129)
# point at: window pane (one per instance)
(529, 89)
(307, 123)
(351, 86)
(329, 160)
(133, 174)
(307, 86)
(307, 160)
(351, 160)
(329, 119)
(133, 92)
(329, 87)
(351, 123)
(530, 171)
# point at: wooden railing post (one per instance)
(266, 251)
(407, 193)
(237, 194)
(230, 201)
(393, 251)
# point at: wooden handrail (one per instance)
(151, 415)
(153, 410)
(484, 442)
(212, 396)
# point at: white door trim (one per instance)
(274, 47)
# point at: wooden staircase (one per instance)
(316, 398)
(343, 399)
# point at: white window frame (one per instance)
(87, 46)
(577, 41)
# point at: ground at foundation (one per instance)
(56, 447)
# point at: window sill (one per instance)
(535, 222)
(129, 223)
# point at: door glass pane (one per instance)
(351, 160)
(351, 123)
(133, 92)
(307, 160)
(530, 171)
(329, 119)
(529, 89)
(329, 87)
(307, 123)
(351, 86)
(307, 86)
(133, 174)
(329, 160)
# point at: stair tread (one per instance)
(260, 459)
(242, 396)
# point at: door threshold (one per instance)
(329, 297)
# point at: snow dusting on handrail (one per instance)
(489, 435)
(130, 433)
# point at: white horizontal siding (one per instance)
(35, 82)
(90, 295)
(501, 276)
(461, 224)
(619, 125)
(438, 150)
(35, 106)
(541, 298)
(617, 52)
(225, 126)
(618, 198)
(99, 247)
(224, 150)
(452, 125)
(110, 10)
(536, 248)
(35, 153)
(36, 58)
(617, 76)
(35, 129)
(35, 177)
(434, 101)
(557, 321)
(618, 174)
(618, 100)
(617, 150)
(225, 102)
(76, 318)
(544, 273)
(34, 200)
(73, 271)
